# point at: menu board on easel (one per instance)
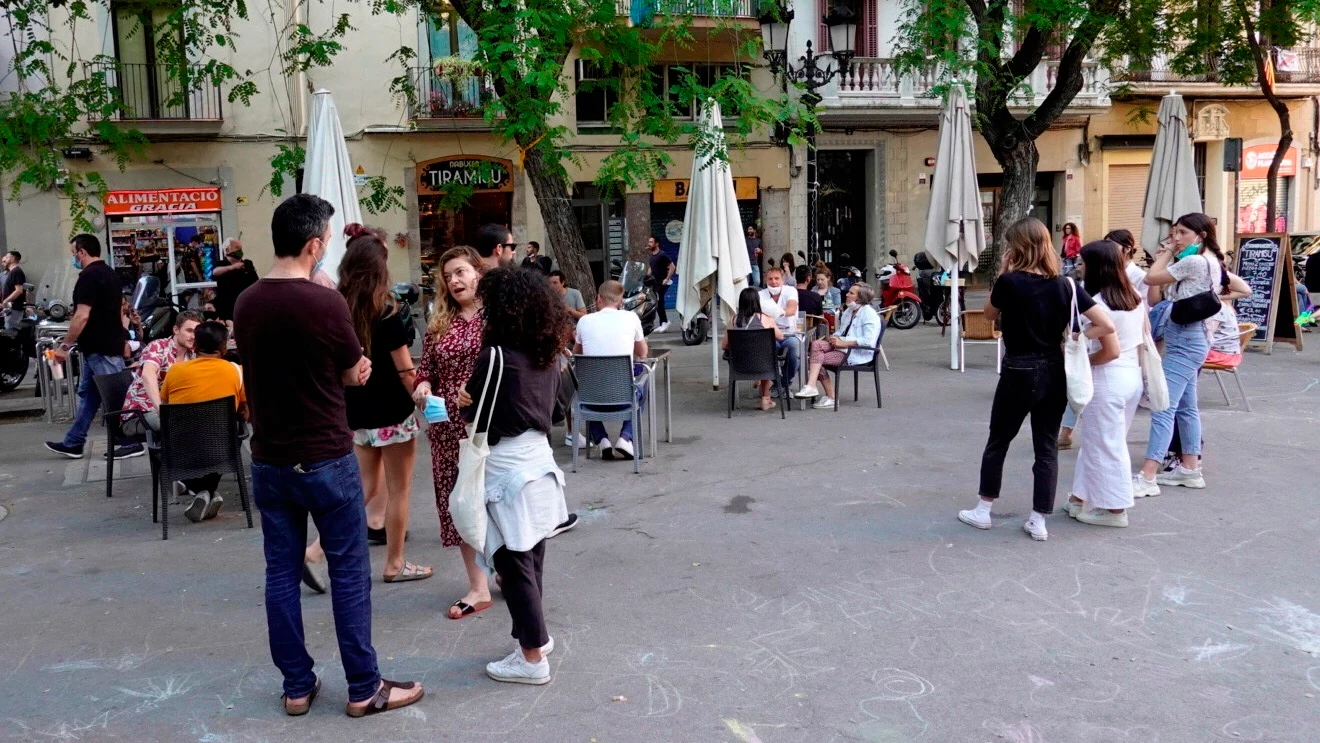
(1265, 262)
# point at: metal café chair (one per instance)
(113, 389)
(197, 439)
(871, 367)
(976, 328)
(607, 390)
(1245, 331)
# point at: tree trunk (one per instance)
(1018, 160)
(561, 226)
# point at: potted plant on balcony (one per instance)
(458, 77)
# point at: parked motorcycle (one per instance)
(407, 295)
(639, 292)
(897, 290)
(19, 346)
(927, 286)
(696, 329)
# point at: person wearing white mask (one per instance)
(853, 342)
(781, 302)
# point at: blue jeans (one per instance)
(331, 492)
(792, 348)
(89, 398)
(596, 429)
(1185, 347)
(1069, 418)
(754, 278)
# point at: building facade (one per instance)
(205, 175)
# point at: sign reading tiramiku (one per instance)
(167, 201)
(477, 172)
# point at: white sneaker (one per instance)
(824, 403)
(606, 449)
(1184, 477)
(1036, 528)
(1141, 487)
(662, 327)
(808, 391)
(515, 669)
(623, 449)
(213, 504)
(197, 509)
(1075, 508)
(581, 440)
(1101, 517)
(972, 517)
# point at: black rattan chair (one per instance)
(197, 439)
(607, 391)
(753, 357)
(872, 367)
(113, 389)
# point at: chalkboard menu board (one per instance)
(1265, 263)
(1258, 264)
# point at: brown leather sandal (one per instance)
(381, 701)
(298, 709)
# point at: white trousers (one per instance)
(1103, 476)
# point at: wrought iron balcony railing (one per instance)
(157, 92)
(439, 95)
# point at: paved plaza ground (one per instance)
(762, 581)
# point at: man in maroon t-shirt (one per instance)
(299, 349)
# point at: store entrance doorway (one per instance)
(841, 209)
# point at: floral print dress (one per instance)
(447, 363)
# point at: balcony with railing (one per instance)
(1294, 67)
(875, 84)
(702, 12)
(450, 99)
(145, 92)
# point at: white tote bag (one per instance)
(467, 502)
(1076, 360)
(1155, 390)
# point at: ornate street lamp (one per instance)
(812, 73)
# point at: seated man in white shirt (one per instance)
(611, 332)
(781, 302)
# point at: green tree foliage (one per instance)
(1237, 42)
(993, 46)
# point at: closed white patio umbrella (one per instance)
(1171, 189)
(329, 174)
(712, 254)
(955, 235)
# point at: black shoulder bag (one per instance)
(1197, 307)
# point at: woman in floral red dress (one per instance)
(453, 340)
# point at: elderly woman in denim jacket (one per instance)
(853, 343)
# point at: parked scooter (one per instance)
(19, 346)
(898, 290)
(696, 329)
(639, 293)
(407, 296)
(927, 285)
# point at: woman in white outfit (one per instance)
(1102, 488)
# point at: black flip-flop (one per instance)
(312, 580)
(381, 701)
(305, 707)
(466, 610)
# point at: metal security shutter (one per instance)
(1127, 194)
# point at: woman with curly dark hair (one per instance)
(514, 385)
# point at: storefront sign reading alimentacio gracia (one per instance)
(478, 172)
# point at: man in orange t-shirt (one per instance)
(207, 377)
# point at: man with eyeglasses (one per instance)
(495, 245)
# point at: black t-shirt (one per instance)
(1035, 310)
(99, 288)
(229, 285)
(296, 339)
(660, 264)
(810, 302)
(526, 400)
(14, 279)
(540, 263)
(383, 400)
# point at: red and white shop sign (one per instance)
(165, 201)
(1256, 161)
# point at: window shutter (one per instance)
(1127, 197)
(823, 31)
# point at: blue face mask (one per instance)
(434, 410)
(77, 264)
(1190, 251)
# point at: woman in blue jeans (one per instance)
(1191, 260)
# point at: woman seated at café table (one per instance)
(853, 343)
(750, 317)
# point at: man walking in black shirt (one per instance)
(11, 289)
(99, 332)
